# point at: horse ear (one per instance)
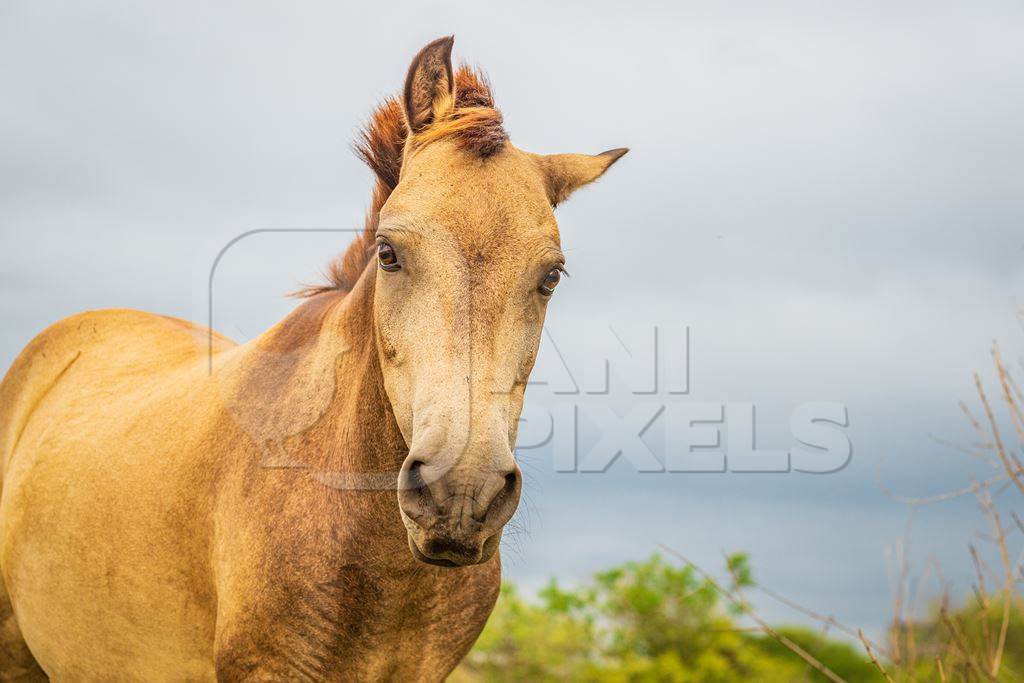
(430, 85)
(565, 173)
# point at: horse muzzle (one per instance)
(455, 518)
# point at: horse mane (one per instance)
(475, 125)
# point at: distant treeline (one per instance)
(662, 620)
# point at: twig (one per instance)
(799, 651)
(1008, 398)
(1017, 520)
(827, 621)
(961, 645)
(997, 437)
(874, 659)
(1008, 581)
(940, 497)
(978, 570)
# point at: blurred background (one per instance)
(830, 197)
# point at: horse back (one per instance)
(106, 349)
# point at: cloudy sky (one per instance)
(831, 199)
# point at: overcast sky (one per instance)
(831, 199)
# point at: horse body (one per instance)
(221, 566)
(326, 501)
(97, 424)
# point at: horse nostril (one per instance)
(414, 495)
(505, 502)
(415, 479)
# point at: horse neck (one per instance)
(311, 388)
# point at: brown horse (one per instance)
(179, 507)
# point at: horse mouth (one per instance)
(436, 561)
(448, 553)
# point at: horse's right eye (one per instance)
(387, 258)
(551, 280)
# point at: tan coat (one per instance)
(168, 516)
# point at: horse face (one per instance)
(464, 250)
(468, 259)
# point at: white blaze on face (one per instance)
(469, 257)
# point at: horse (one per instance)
(325, 501)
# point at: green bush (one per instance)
(644, 621)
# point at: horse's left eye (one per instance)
(551, 280)
(387, 257)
